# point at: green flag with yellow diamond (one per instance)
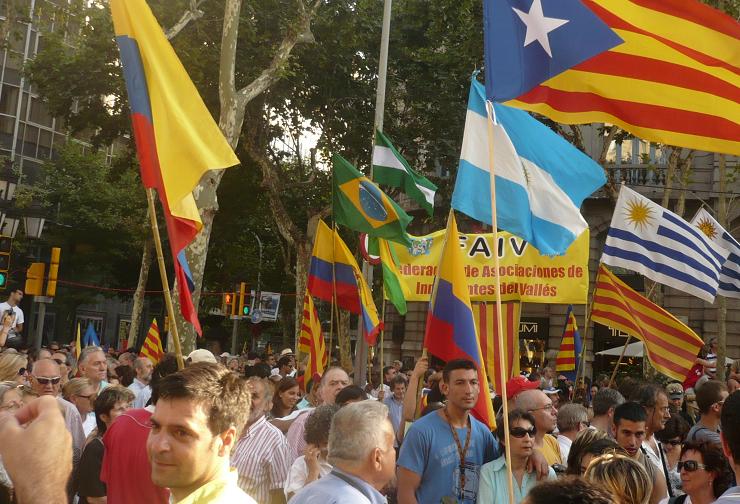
(361, 205)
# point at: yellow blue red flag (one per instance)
(177, 139)
(450, 331)
(333, 271)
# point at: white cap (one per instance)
(202, 355)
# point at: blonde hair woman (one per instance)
(13, 366)
(622, 477)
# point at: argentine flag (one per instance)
(541, 179)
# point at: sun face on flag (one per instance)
(639, 214)
(707, 227)
(370, 200)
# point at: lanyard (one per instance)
(461, 451)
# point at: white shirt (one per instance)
(564, 443)
(89, 423)
(17, 314)
(299, 472)
(142, 392)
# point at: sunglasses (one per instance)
(46, 381)
(22, 371)
(520, 432)
(690, 466)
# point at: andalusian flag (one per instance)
(396, 291)
(359, 204)
(670, 345)
(152, 347)
(177, 140)
(390, 168)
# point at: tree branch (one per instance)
(271, 74)
(191, 14)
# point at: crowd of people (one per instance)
(114, 428)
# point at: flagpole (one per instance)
(499, 320)
(163, 276)
(581, 371)
(334, 309)
(381, 363)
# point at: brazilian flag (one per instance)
(359, 204)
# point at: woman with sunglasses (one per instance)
(671, 438)
(13, 367)
(705, 474)
(494, 487)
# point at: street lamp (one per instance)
(9, 224)
(33, 220)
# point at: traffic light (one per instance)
(35, 279)
(243, 306)
(228, 303)
(51, 287)
(6, 243)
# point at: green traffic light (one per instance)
(3, 279)
(245, 310)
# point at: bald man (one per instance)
(45, 380)
(546, 419)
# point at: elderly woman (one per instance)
(81, 393)
(705, 473)
(493, 487)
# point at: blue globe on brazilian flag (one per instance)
(359, 204)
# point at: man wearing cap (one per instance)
(201, 355)
(675, 400)
(527, 396)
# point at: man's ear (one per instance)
(377, 457)
(726, 449)
(228, 441)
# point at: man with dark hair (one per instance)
(11, 308)
(629, 429)
(394, 401)
(199, 413)
(710, 398)
(730, 436)
(604, 403)
(261, 456)
(568, 491)
(654, 399)
(285, 365)
(125, 459)
(443, 452)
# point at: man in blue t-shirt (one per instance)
(429, 468)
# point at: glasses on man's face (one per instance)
(46, 381)
(690, 466)
(520, 432)
(547, 407)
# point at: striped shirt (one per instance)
(262, 459)
(295, 435)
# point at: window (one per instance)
(6, 132)
(8, 100)
(30, 141)
(39, 114)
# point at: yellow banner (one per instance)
(526, 275)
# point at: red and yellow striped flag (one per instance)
(486, 324)
(669, 344)
(311, 342)
(152, 347)
(674, 80)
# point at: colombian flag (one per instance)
(361, 205)
(450, 332)
(566, 362)
(333, 271)
(176, 138)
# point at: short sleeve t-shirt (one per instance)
(89, 471)
(430, 450)
(17, 316)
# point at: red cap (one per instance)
(519, 384)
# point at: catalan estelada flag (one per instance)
(669, 344)
(311, 342)
(486, 323)
(566, 362)
(177, 139)
(152, 347)
(333, 275)
(360, 204)
(450, 331)
(675, 79)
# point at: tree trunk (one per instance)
(686, 171)
(138, 304)
(722, 218)
(345, 347)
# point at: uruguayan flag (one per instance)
(729, 277)
(541, 179)
(649, 239)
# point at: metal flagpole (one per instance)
(361, 348)
(500, 325)
(163, 276)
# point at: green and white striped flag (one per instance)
(390, 168)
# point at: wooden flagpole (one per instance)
(500, 325)
(163, 276)
(581, 371)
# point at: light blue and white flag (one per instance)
(649, 239)
(729, 276)
(541, 179)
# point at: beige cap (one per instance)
(202, 355)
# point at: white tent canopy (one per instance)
(633, 350)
